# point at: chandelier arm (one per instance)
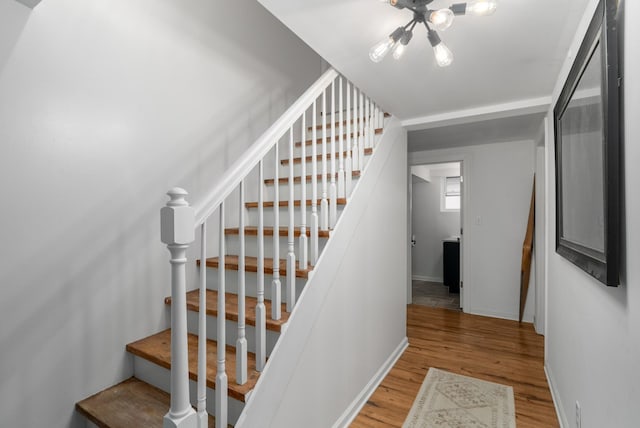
(414, 25)
(412, 22)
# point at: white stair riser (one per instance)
(297, 167)
(252, 215)
(231, 329)
(159, 377)
(297, 191)
(251, 281)
(251, 246)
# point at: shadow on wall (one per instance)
(14, 18)
(87, 272)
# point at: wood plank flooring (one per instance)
(492, 349)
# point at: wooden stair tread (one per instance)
(376, 131)
(298, 179)
(296, 203)
(344, 122)
(231, 308)
(157, 349)
(132, 403)
(251, 265)
(367, 151)
(268, 231)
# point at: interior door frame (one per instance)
(426, 158)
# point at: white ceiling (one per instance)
(515, 54)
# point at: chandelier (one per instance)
(440, 19)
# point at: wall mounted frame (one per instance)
(587, 120)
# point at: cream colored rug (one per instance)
(448, 400)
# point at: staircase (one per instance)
(271, 216)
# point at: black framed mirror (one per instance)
(587, 136)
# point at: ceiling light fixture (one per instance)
(440, 19)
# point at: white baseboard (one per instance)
(354, 408)
(528, 318)
(426, 278)
(562, 418)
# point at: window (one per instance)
(450, 200)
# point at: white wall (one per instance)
(104, 105)
(351, 318)
(497, 193)
(430, 226)
(593, 332)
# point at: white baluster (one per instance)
(348, 171)
(241, 342)
(304, 257)
(203, 417)
(367, 130)
(333, 189)
(361, 127)
(177, 223)
(261, 317)
(314, 189)
(276, 297)
(376, 117)
(355, 152)
(221, 373)
(291, 256)
(372, 128)
(341, 178)
(324, 204)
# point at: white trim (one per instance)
(555, 396)
(426, 278)
(354, 408)
(527, 318)
(466, 167)
(488, 112)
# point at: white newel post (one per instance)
(177, 224)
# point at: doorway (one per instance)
(436, 219)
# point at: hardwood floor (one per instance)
(492, 349)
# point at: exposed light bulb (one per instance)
(401, 46)
(380, 50)
(443, 55)
(442, 18)
(481, 7)
(398, 50)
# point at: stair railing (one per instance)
(179, 221)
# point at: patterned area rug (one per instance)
(448, 400)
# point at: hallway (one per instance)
(492, 349)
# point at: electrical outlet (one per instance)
(578, 415)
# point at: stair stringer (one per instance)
(350, 318)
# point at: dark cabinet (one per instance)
(451, 264)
